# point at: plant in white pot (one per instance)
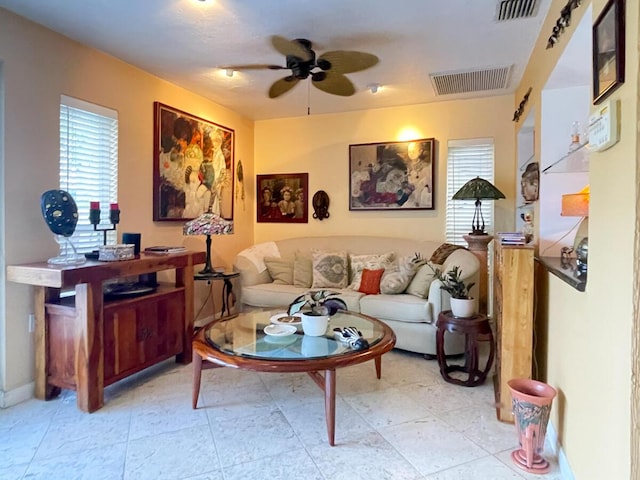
(462, 303)
(322, 304)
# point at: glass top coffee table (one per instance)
(240, 342)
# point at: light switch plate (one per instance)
(604, 131)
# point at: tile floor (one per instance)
(408, 425)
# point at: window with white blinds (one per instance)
(89, 165)
(467, 159)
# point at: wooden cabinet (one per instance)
(84, 343)
(513, 309)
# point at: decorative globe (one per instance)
(59, 211)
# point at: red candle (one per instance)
(94, 205)
(114, 206)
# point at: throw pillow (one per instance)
(370, 281)
(302, 271)
(421, 282)
(396, 278)
(329, 269)
(442, 252)
(372, 262)
(280, 269)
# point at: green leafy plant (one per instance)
(321, 302)
(452, 282)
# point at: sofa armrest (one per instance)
(249, 274)
(439, 299)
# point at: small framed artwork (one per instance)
(392, 175)
(283, 198)
(192, 166)
(608, 50)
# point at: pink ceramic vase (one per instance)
(531, 408)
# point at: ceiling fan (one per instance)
(327, 71)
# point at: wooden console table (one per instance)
(84, 343)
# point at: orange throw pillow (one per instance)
(370, 282)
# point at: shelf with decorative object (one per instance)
(573, 162)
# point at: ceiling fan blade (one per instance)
(290, 47)
(282, 86)
(336, 84)
(252, 66)
(345, 61)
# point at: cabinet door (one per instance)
(139, 333)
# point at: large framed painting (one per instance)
(392, 175)
(192, 166)
(608, 50)
(283, 198)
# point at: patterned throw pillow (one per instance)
(280, 269)
(442, 252)
(397, 276)
(371, 262)
(329, 269)
(370, 281)
(421, 282)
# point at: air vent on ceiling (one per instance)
(448, 83)
(513, 9)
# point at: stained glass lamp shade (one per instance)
(208, 224)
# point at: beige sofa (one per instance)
(412, 318)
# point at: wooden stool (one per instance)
(472, 328)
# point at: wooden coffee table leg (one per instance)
(378, 361)
(330, 404)
(197, 376)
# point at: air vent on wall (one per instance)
(448, 83)
(513, 9)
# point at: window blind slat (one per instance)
(89, 165)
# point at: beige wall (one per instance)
(37, 67)
(588, 353)
(319, 145)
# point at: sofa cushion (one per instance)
(330, 269)
(302, 270)
(402, 307)
(370, 281)
(419, 285)
(280, 269)
(357, 263)
(397, 276)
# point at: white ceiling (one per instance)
(183, 41)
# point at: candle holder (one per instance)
(114, 218)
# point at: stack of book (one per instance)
(512, 238)
(164, 250)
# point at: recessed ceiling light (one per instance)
(228, 71)
(374, 87)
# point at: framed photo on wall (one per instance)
(392, 175)
(608, 50)
(193, 161)
(282, 198)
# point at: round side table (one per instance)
(471, 328)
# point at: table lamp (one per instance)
(577, 205)
(208, 224)
(478, 189)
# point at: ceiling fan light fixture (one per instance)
(374, 88)
(228, 71)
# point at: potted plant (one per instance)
(322, 304)
(462, 303)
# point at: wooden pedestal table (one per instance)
(478, 245)
(471, 328)
(84, 343)
(240, 342)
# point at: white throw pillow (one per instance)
(397, 276)
(421, 282)
(371, 262)
(330, 269)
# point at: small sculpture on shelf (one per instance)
(60, 212)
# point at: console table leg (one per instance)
(89, 369)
